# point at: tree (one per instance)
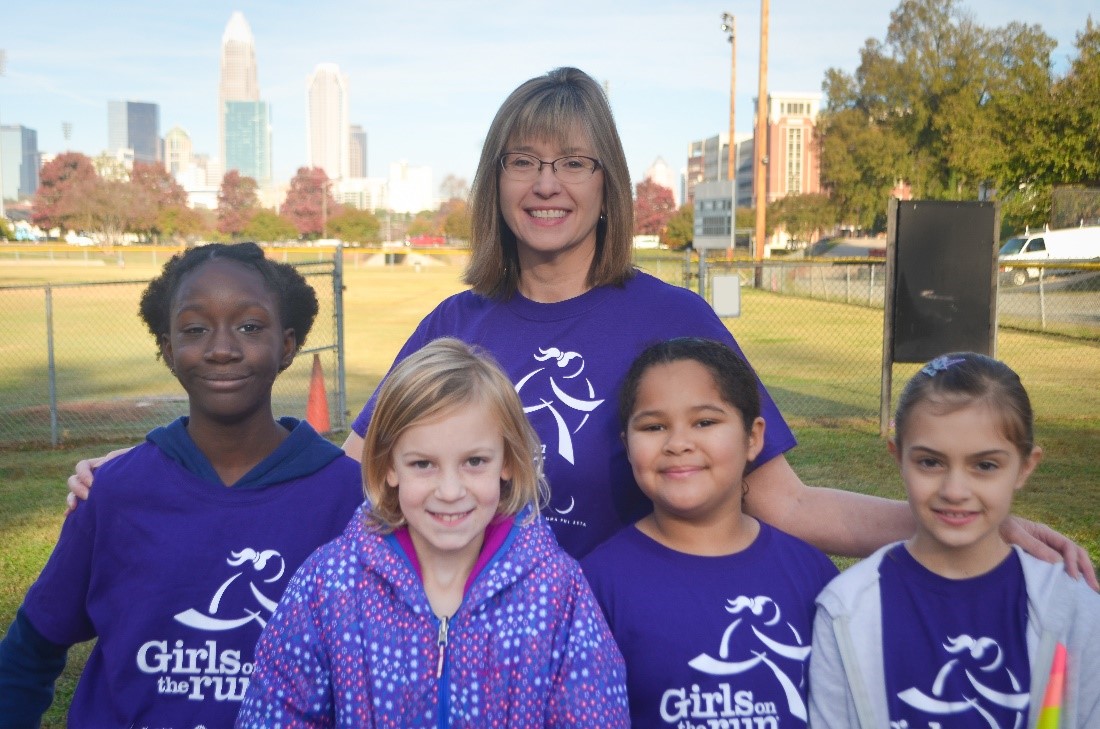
(309, 201)
(269, 226)
(155, 191)
(355, 225)
(423, 223)
(63, 183)
(456, 221)
(113, 208)
(180, 221)
(804, 217)
(679, 232)
(237, 203)
(942, 103)
(654, 204)
(454, 188)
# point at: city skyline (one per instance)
(428, 77)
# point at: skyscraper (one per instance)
(134, 125)
(239, 83)
(248, 139)
(357, 152)
(327, 121)
(177, 150)
(18, 162)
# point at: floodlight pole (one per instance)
(761, 141)
(729, 24)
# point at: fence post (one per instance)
(703, 272)
(338, 316)
(51, 369)
(1042, 302)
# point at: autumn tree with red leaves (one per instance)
(654, 204)
(64, 185)
(237, 203)
(309, 201)
(155, 192)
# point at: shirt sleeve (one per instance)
(57, 602)
(29, 667)
(831, 702)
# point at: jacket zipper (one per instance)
(441, 641)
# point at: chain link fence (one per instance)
(813, 330)
(79, 364)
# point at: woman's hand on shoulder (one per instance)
(1042, 542)
(80, 483)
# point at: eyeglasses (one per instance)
(526, 167)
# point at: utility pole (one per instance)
(3, 64)
(729, 25)
(760, 142)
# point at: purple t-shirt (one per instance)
(954, 651)
(568, 361)
(177, 576)
(712, 641)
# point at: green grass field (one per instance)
(820, 361)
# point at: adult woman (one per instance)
(557, 302)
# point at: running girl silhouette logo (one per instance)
(973, 679)
(563, 391)
(767, 653)
(262, 568)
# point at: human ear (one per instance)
(756, 439)
(391, 477)
(892, 446)
(290, 348)
(1028, 466)
(166, 352)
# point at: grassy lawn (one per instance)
(820, 361)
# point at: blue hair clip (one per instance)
(940, 364)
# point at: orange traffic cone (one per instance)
(317, 405)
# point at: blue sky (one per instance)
(426, 77)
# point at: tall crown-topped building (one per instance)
(244, 120)
(328, 131)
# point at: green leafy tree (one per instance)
(679, 231)
(237, 203)
(804, 217)
(181, 222)
(943, 104)
(268, 226)
(424, 223)
(355, 225)
(456, 220)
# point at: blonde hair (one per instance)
(550, 107)
(434, 382)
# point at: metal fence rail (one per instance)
(813, 331)
(80, 365)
